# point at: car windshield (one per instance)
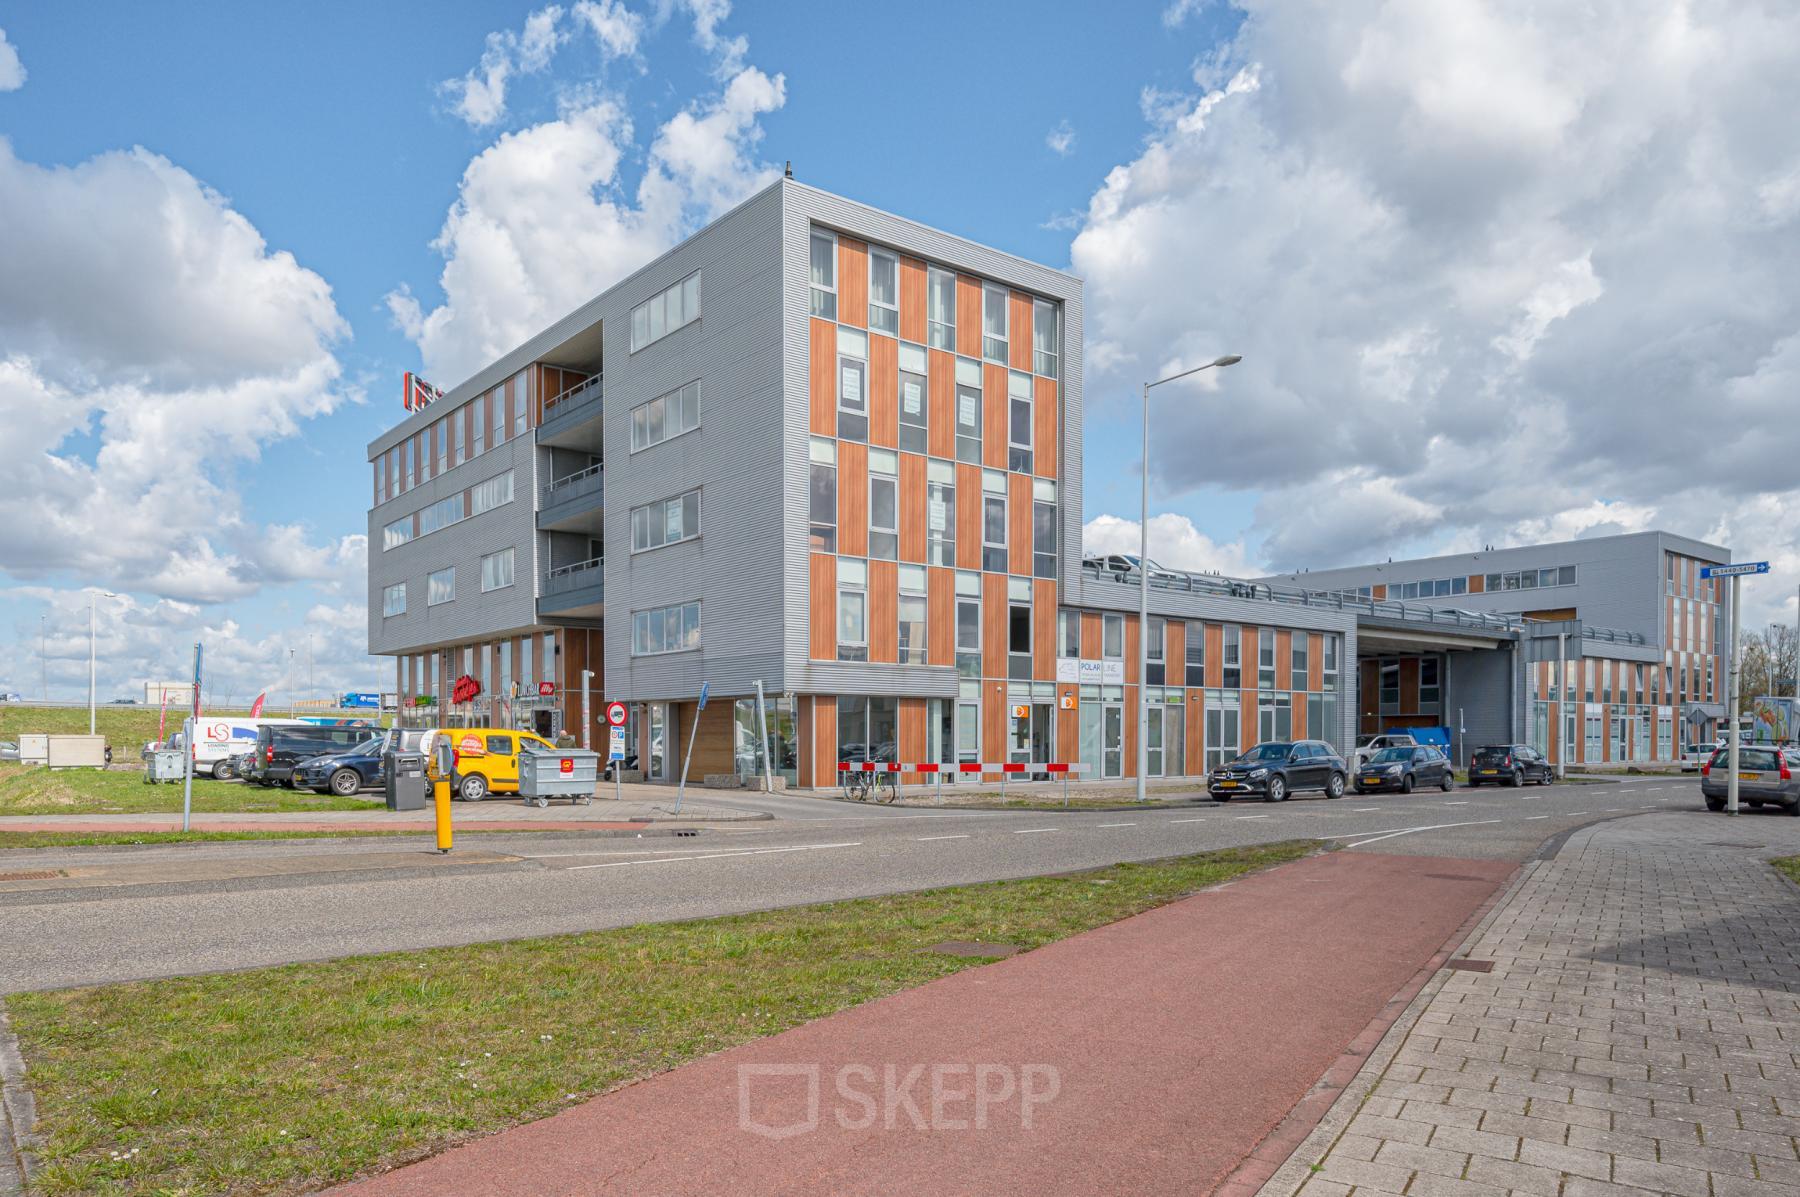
(368, 747)
(1758, 760)
(1391, 756)
(1266, 752)
(1493, 750)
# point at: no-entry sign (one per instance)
(615, 714)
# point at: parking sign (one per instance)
(616, 751)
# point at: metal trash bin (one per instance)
(403, 780)
(571, 773)
(165, 764)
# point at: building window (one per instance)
(1265, 659)
(406, 465)
(397, 533)
(1298, 670)
(393, 600)
(1112, 637)
(665, 312)
(665, 417)
(968, 624)
(440, 587)
(1018, 422)
(521, 393)
(1018, 629)
(823, 491)
(1046, 345)
(673, 629)
(940, 512)
(912, 615)
(478, 421)
(1430, 682)
(497, 408)
(1068, 634)
(824, 275)
(1155, 664)
(1330, 667)
(666, 521)
(868, 729)
(440, 435)
(497, 570)
(940, 304)
(495, 492)
(1231, 662)
(852, 609)
(884, 504)
(1043, 527)
(1389, 685)
(913, 406)
(853, 384)
(968, 411)
(993, 323)
(1275, 717)
(993, 521)
(1222, 707)
(1194, 651)
(884, 292)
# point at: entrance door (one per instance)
(1112, 740)
(1153, 744)
(657, 719)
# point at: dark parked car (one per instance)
(1275, 770)
(1765, 777)
(280, 748)
(1405, 769)
(358, 767)
(1510, 764)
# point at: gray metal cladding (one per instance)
(1489, 688)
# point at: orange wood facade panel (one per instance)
(1044, 409)
(993, 625)
(853, 499)
(1214, 638)
(1018, 331)
(912, 300)
(1194, 729)
(1379, 593)
(1174, 651)
(1129, 744)
(993, 416)
(1090, 635)
(821, 640)
(968, 517)
(1043, 629)
(853, 282)
(968, 316)
(1018, 524)
(1284, 658)
(912, 507)
(1131, 650)
(940, 413)
(940, 615)
(912, 741)
(1315, 661)
(824, 739)
(884, 612)
(822, 369)
(1477, 583)
(1068, 723)
(884, 391)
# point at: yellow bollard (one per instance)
(440, 798)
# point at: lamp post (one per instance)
(91, 656)
(1143, 699)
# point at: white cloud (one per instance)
(479, 97)
(616, 28)
(1061, 139)
(1177, 13)
(12, 71)
(1496, 271)
(1174, 543)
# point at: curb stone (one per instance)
(18, 1115)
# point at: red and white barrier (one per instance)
(1057, 768)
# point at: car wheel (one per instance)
(1715, 804)
(1518, 779)
(1277, 791)
(473, 788)
(345, 782)
(1794, 808)
(1406, 784)
(221, 771)
(1449, 781)
(1334, 788)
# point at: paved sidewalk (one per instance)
(1148, 1056)
(1639, 1033)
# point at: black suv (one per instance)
(1278, 769)
(279, 749)
(343, 772)
(1509, 764)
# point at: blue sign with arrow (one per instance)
(1734, 571)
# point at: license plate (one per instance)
(1228, 785)
(1749, 777)
(1487, 770)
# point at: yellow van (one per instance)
(487, 760)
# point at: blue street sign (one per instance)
(704, 686)
(1734, 571)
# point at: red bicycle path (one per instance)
(1157, 1054)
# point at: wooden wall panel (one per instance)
(1043, 629)
(1131, 649)
(853, 282)
(1174, 648)
(821, 378)
(1018, 524)
(940, 412)
(940, 616)
(825, 740)
(912, 507)
(1284, 659)
(1215, 654)
(993, 416)
(1068, 724)
(1315, 661)
(912, 300)
(1045, 409)
(1128, 744)
(1297, 726)
(1018, 331)
(968, 316)
(1091, 633)
(993, 625)
(1409, 685)
(884, 391)
(1194, 747)
(968, 517)
(1379, 593)
(853, 499)
(913, 739)
(993, 727)
(1477, 583)
(822, 597)
(884, 612)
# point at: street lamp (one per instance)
(1143, 671)
(91, 669)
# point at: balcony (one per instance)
(573, 591)
(573, 503)
(572, 418)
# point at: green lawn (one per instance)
(126, 727)
(287, 1079)
(34, 790)
(1790, 865)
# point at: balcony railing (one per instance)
(588, 388)
(565, 578)
(573, 486)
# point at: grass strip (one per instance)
(1790, 867)
(286, 1079)
(34, 790)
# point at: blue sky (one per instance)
(1370, 201)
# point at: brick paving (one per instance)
(1639, 1033)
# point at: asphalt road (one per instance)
(247, 904)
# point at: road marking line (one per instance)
(1115, 825)
(1035, 830)
(1610, 809)
(629, 852)
(924, 839)
(710, 856)
(1388, 835)
(1253, 816)
(1362, 809)
(1187, 820)
(1529, 818)
(1456, 804)
(1578, 812)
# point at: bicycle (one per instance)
(860, 786)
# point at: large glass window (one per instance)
(1330, 666)
(495, 492)
(884, 504)
(940, 512)
(1018, 639)
(1018, 422)
(868, 728)
(968, 411)
(1112, 637)
(497, 410)
(914, 409)
(993, 323)
(1299, 670)
(824, 275)
(440, 587)
(666, 311)
(940, 308)
(993, 521)
(1046, 346)
(665, 417)
(521, 392)
(853, 384)
(1430, 691)
(393, 600)
(1068, 634)
(823, 494)
(406, 465)
(852, 609)
(1194, 650)
(1230, 662)
(497, 570)
(884, 292)
(912, 615)
(1154, 661)
(441, 514)
(665, 521)
(397, 533)
(1222, 733)
(968, 624)
(456, 439)
(1265, 659)
(1043, 527)
(665, 630)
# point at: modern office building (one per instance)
(1622, 646)
(829, 450)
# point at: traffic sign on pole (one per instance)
(1734, 571)
(615, 714)
(704, 687)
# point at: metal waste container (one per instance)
(404, 783)
(165, 764)
(570, 773)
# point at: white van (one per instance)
(218, 738)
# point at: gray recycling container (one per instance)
(404, 783)
(564, 773)
(165, 764)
